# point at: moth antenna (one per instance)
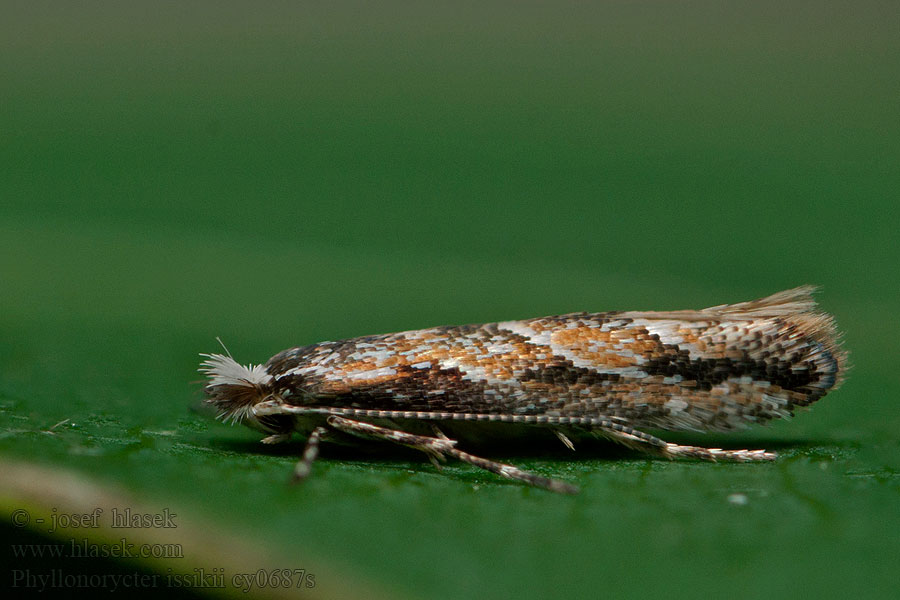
(225, 348)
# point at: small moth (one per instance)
(609, 374)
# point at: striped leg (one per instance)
(644, 442)
(310, 452)
(715, 454)
(511, 472)
(444, 447)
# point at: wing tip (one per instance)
(798, 306)
(794, 301)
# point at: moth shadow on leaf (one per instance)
(546, 447)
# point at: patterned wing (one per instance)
(715, 369)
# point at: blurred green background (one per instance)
(282, 173)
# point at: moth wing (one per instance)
(726, 366)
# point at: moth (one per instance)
(609, 374)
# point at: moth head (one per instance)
(234, 389)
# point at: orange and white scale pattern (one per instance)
(715, 369)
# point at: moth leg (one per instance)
(565, 440)
(310, 452)
(437, 460)
(444, 447)
(511, 472)
(270, 407)
(433, 447)
(632, 438)
(277, 438)
(644, 442)
(714, 454)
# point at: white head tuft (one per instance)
(224, 370)
(234, 388)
